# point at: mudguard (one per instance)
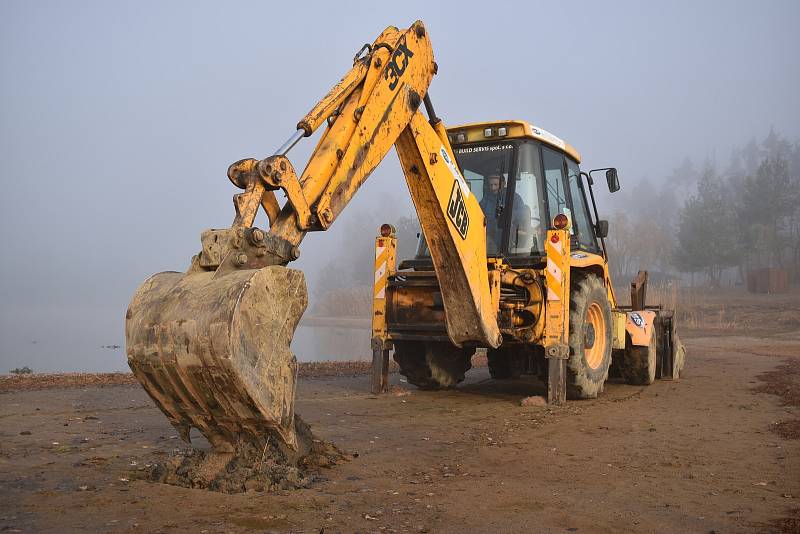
(639, 326)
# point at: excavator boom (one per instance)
(211, 346)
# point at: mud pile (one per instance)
(249, 468)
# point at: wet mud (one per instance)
(249, 468)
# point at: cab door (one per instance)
(565, 195)
(555, 184)
(587, 239)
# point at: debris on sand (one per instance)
(783, 381)
(536, 400)
(788, 429)
(249, 468)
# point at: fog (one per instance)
(118, 122)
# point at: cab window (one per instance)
(527, 212)
(486, 168)
(580, 211)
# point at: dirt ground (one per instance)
(717, 451)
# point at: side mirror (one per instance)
(612, 179)
(601, 228)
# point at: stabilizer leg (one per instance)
(556, 381)
(380, 366)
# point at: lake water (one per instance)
(71, 340)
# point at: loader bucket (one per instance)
(213, 352)
(671, 352)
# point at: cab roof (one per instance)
(515, 129)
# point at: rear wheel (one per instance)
(430, 365)
(589, 338)
(679, 358)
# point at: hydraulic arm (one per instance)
(211, 346)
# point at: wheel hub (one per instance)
(588, 337)
(594, 337)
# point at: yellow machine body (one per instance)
(533, 299)
(211, 345)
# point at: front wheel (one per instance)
(590, 338)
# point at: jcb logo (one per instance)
(398, 63)
(457, 211)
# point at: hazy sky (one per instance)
(118, 122)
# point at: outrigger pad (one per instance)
(213, 352)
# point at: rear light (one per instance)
(487, 132)
(560, 221)
(502, 131)
(387, 230)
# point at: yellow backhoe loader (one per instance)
(508, 261)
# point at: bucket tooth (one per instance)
(213, 351)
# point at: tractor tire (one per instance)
(615, 370)
(638, 365)
(679, 358)
(590, 338)
(507, 362)
(431, 365)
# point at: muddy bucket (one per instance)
(213, 352)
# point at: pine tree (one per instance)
(767, 203)
(707, 241)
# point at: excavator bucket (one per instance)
(213, 352)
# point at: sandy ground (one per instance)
(703, 454)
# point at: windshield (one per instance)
(515, 206)
(486, 169)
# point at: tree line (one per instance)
(715, 222)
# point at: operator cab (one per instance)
(522, 176)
